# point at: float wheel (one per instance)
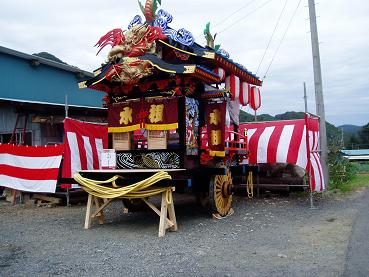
(220, 195)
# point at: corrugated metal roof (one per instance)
(358, 152)
(44, 61)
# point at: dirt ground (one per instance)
(274, 236)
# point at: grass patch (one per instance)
(358, 181)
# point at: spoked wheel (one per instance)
(220, 195)
(134, 204)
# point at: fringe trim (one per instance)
(124, 129)
(217, 153)
(161, 127)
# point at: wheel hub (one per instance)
(227, 189)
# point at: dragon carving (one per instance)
(129, 72)
(133, 43)
(150, 8)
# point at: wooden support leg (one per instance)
(99, 215)
(14, 200)
(163, 215)
(88, 217)
(172, 215)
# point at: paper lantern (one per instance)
(220, 72)
(244, 93)
(255, 98)
(232, 83)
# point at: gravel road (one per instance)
(275, 236)
(357, 262)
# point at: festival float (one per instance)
(173, 106)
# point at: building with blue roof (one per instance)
(34, 92)
(356, 155)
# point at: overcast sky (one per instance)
(69, 29)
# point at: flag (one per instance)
(30, 168)
(287, 141)
(84, 143)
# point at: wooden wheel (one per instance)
(220, 196)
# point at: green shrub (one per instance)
(341, 171)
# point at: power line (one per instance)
(283, 37)
(229, 16)
(271, 37)
(246, 16)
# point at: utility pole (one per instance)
(319, 90)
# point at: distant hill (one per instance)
(246, 117)
(49, 56)
(351, 129)
(290, 115)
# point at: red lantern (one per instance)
(232, 83)
(255, 98)
(244, 93)
(220, 72)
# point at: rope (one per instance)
(221, 22)
(140, 189)
(250, 186)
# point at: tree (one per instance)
(364, 136)
(48, 56)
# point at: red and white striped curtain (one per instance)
(30, 168)
(84, 143)
(287, 141)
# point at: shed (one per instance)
(33, 92)
(356, 155)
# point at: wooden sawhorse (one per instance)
(166, 212)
